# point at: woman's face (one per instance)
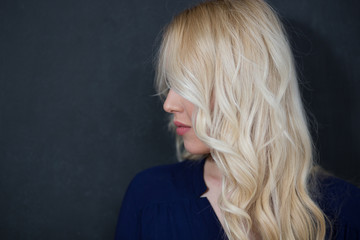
(182, 110)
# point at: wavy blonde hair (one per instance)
(232, 60)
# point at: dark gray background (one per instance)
(77, 119)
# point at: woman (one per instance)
(227, 72)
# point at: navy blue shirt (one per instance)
(164, 203)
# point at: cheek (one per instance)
(191, 142)
(189, 108)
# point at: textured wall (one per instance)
(78, 119)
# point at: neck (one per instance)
(211, 171)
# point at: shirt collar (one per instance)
(199, 184)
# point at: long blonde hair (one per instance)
(232, 60)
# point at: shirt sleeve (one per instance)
(129, 221)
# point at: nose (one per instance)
(172, 102)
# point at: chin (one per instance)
(197, 149)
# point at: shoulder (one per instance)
(163, 183)
(340, 201)
(337, 192)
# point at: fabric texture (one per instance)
(164, 203)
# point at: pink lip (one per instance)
(181, 128)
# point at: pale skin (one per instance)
(182, 110)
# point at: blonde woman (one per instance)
(246, 170)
